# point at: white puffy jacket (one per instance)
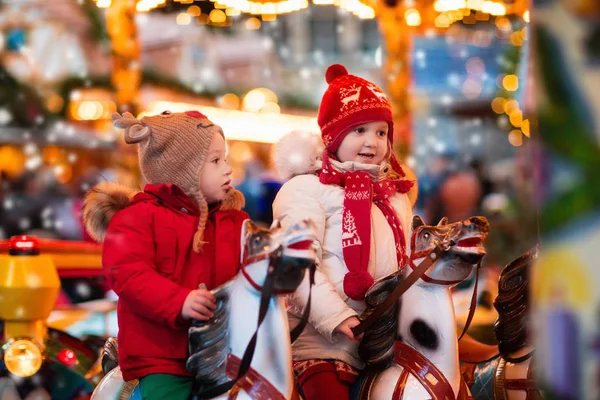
(302, 197)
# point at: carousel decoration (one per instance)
(37, 360)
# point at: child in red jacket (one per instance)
(183, 230)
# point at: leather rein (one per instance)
(429, 258)
(267, 291)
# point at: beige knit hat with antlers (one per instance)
(172, 149)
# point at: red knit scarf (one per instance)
(359, 193)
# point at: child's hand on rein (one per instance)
(199, 304)
(345, 327)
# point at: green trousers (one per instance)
(166, 387)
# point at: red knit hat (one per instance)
(350, 101)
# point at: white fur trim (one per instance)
(298, 153)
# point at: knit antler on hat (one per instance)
(135, 130)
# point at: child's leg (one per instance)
(165, 386)
(325, 379)
(325, 385)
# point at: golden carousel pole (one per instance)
(398, 24)
(125, 47)
(126, 77)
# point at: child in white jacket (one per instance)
(356, 196)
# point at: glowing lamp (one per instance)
(67, 357)
(23, 357)
(24, 246)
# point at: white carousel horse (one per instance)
(505, 371)
(216, 347)
(419, 333)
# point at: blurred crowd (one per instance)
(502, 192)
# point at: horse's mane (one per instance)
(512, 303)
(209, 344)
(376, 349)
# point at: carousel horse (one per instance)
(233, 356)
(411, 350)
(505, 371)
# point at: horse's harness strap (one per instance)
(400, 385)
(265, 298)
(254, 259)
(259, 288)
(255, 385)
(295, 333)
(448, 282)
(431, 257)
(255, 285)
(432, 379)
(427, 279)
(518, 360)
(463, 392)
(424, 253)
(473, 304)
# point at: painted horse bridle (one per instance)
(429, 256)
(267, 291)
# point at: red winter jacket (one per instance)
(149, 261)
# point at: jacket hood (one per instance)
(104, 200)
(101, 203)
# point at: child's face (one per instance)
(215, 178)
(366, 143)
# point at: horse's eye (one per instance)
(166, 113)
(426, 235)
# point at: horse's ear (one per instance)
(443, 221)
(417, 222)
(276, 224)
(248, 228)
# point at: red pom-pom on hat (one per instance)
(335, 71)
(356, 284)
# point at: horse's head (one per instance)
(463, 243)
(290, 251)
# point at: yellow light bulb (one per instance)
(412, 17)
(23, 358)
(510, 83)
(217, 16)
(526, 128)
(183, 18)
(194, 11)
(515, 138)
(253, 23)
(511, 106)
(498, 105)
